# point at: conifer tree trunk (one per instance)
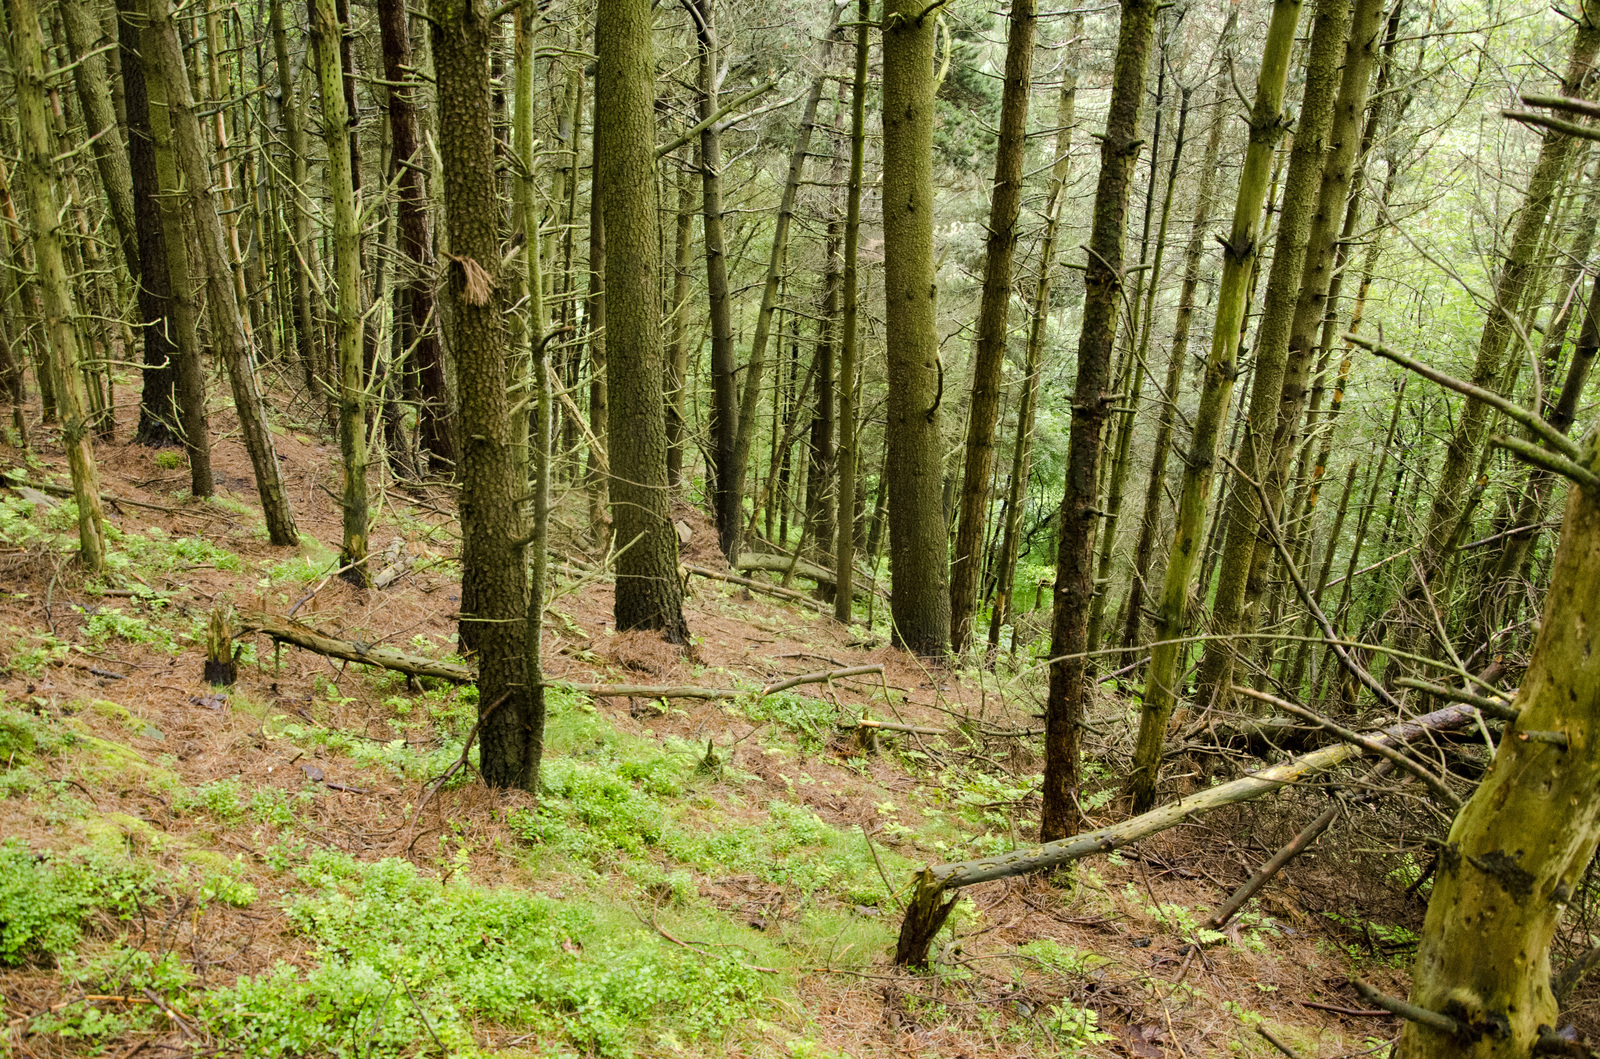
(993, 312)
(750, 396)
(727, 502)
(166, 292)
(93, 82)
(1329, 31)
(678, 346)
(494, 579)
(596, 476)
(163, 54)
(1240, 254)
(1070, 685)
(649, 594)
(819, 442)
(325, 33)
(1039, 316)
(1520, 846)
(1155, 487)
(918, 542)
(304, 267)
(1451, 485)
(37, 175)
(849, 437)
(1138, 338)
(419, 331)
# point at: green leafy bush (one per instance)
(405, 959)
(45, 897)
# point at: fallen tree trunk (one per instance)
(284, 630)
(931, 900)
(753, 585)
(779, 564)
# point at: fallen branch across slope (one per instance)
(283, 630)
(931, 900)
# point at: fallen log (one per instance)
(779, 564)
(931, 900)
(753, 585)
(285, 630)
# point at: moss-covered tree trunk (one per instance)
(1156, 484)
(1329, 31)
(1517, 852)
(918, 542)
(1240, 253)
(346, 238)
(993, 313)
(304, 264)
(1070, 684)
(164, 58)
(37, 176)
(494, 585)
(649, 593)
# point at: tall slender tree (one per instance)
(849, 453)
(38, 178)
(649, 594)
(993, 314)
(1091, 401)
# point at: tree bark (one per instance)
(165, 56)
(1070, 685)
(724, 420)
(1330, 29)
(494, 579)
(1155, 487)
(1240, 254)
(346, 236)
(37, 175)
(1519, 848)
(419, 331)
(649, 594)
(1039, 317)
(993, 312)
(304, 267)
(848, 459)
(918, 542)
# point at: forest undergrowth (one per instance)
(272, 868)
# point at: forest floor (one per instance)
(186, 869)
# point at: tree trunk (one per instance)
(596, 475)
(678, 345)
(37, 174)
(849, 437)
(727, 502)
(1329, 31)
(1155, 488)
(1451, 485)
(750, 398)
(649, 594)
(1039, 317)
(165, 57)
(1240, 253)
(166, 291)
(1070, 686)
(325, 34)
(494, 585)
(1519, 848)
(304, 268)
(990, 342)
(419, 331)
(918, 542)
